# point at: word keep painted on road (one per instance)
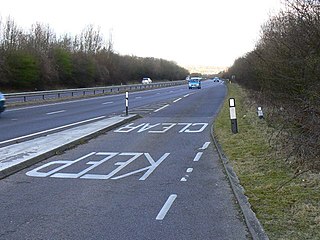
(55, 168)
(163, 127)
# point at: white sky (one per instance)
(189, 32)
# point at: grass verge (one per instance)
(286, 202)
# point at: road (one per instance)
(32, 120)
(158, 177)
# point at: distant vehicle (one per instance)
(146, 80)
(194, 83)
(216, 79)
(2, 103)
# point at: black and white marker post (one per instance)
(233, 117)
(127, 103)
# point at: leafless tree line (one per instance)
(283, 74)
(39, 59)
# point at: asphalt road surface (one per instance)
(158, 177)
(24, 121)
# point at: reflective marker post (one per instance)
(233, 117)
(260, 113)
(127, 103)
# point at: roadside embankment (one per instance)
(285, 200)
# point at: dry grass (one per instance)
(286, 201)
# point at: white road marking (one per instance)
(51, 130)
(163, 127)
(107, 103)
(161, 108)
(198, 156)
(205, 146)
(186, 95)
(164, 210)
(189, 170)
(56, 112)
(177, 100)
(137, 97)
(183, 179)
(105, 157)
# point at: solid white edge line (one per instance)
(198, 156)
(161, 108)
(164, 210)
(50, 130)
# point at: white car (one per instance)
(146, 80)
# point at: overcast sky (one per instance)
(189, 32)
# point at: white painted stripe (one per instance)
(189, 170)
(205, 146)
(161, 108)
(164, 210)
(198, 156)
(183, 179)
(56, 112)
(107, 103)
(138, 97)
(177, 100)
(186, 95)
(51, 130)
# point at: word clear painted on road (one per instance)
(163, 127)
(100, 163)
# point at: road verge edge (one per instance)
(254, 226)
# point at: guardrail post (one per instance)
(233, 117)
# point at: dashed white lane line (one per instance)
(161, 108)
(189, 170)
(186, 95)
(107, 103)
(177, 100)
(205, 146)
(56, 112)
(164, 210)
(198, 156)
